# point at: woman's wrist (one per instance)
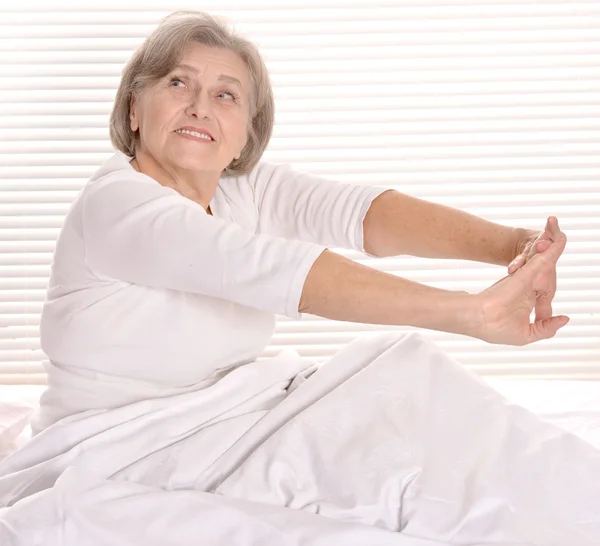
(469, 315)
(452, 311)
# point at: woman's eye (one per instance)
(231, 95)
(175, 81)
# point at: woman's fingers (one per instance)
(551, 234)
(550, 256)
(547, 328)
(542, 244)
(532, 288)
(531, 248)
(548, 230)
(543, 308)
(545, 263)
(553, 229)
(517, 263)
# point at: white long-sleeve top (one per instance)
(149, 295)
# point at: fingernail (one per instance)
(564, 321)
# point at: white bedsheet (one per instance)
(391, 442)
(573, 405)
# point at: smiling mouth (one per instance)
(195, 135)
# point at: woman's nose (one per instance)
(201, 106)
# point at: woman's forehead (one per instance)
(222, 63)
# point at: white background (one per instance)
(489, 106)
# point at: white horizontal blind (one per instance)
(489, 106)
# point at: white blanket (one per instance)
(390, 442)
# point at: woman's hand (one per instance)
(532, 243)
(506, 306)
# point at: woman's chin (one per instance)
(197, 163)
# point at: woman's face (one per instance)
(208, 91)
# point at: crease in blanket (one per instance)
(83, 509)
(135, 436)
(389, 442)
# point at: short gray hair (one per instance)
(161, 52)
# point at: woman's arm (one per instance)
(299, 205)
(400, 224)
(137, 231)
(340, 289)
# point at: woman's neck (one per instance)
(148, 168)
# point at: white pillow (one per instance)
(17, 404)
(14, 420)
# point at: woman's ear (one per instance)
(133, 122)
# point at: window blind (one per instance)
(488, 106)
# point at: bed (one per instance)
(245, 497)
(572, 405)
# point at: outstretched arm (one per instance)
(341, 289)
(137, 231)
(400, 224)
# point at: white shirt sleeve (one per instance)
(302, 206)
(138, 231)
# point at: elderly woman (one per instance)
(168, 273)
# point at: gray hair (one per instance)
(161, 52)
